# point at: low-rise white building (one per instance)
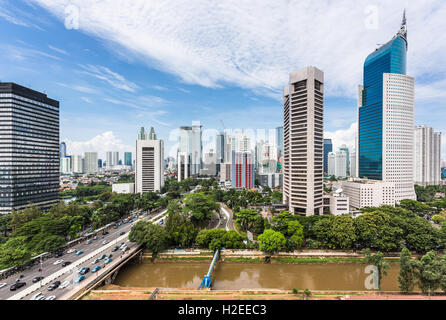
(124, 188)
(369, 193)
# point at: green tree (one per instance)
(336, 232)
(406, 278)
(429, 272)
(200, 207)
(379, 262)
(271, 241)
(19, 218)
(247, 218)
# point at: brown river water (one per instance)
(235, 276)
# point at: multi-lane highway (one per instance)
(103, 245)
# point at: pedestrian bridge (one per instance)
(207, 280)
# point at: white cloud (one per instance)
(256, 46)
(112, 78)
(343, 136)
(102, 143)
(86, 99)
(58, 50)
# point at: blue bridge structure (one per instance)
(207, 280)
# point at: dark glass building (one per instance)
(128, 159)
(29, 148)
(389, 58)
(328, 147)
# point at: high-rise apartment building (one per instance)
(304, 142)
(353, 164)
(65, 165)
(347, 160)
(279, 142)
(29, 148)
(149, 175)
(242, 170)
(328, 147)
(128, 158)
(78, 164)
(427, 158)
(109, 161)
(341, 164)
(115, 158)
(190, 141)
(91, 162)
(386, 117)
(331, 167)
(220, 150)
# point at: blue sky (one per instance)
(166, 64)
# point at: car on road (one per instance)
(41, 298)
(102, 257)
(36, 296)
(96, 269)
(96, 261)
(105, 233)
(161, 222)
(89, 241)
(17, 285)
(64, 284)
(3, 285)
(54, 286)
(122, 233)
(80, 279)
(79, 252)
(58, 254)
(95, 238)
(51, 298)
(37, 279)
(81, 270)
(125, 249)
(71, 251)
(115, 248)
(131, 221)
(58, 262)
(85, 271)
(108, 260)
(104, 242)
(66, 263)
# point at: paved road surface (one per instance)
(48, 267)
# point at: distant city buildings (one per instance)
(91, 162)
(128, 158)
(183, 163)
(427, 160)
(210, 164)
(369, 193)
(78, 164)
(303, 142)
(149, 175)
(29, 148)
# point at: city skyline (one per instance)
(110, 94)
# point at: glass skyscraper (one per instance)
(389, 58)
(386, 117)
(328, 147)
(128, 158)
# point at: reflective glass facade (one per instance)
(390, 58)
(29, 148)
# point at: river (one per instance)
(235, 276)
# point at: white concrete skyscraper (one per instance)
(427, 152)
(304, 142)
(149, 173)
(91, 162)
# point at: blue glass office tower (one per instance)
(389, 58)
(328, 147)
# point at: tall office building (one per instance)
(190, 141)
(328, 147)
(331, 165)
(62, 150)
(347, 161)
(65, 165)
(242, 170)
(279, 142)
(100, 163)
(304, 142)
(29, 148)
(128, 159)
(183, 171)
(78, 164)
(341, 164)
(386, 117)
(115, 158)
(427, 152)
(220, 150)
(152, 134)
(142, 134)
(91, 162)
(109, 161)
(149, 174)
(353, 164)
(210, 164)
